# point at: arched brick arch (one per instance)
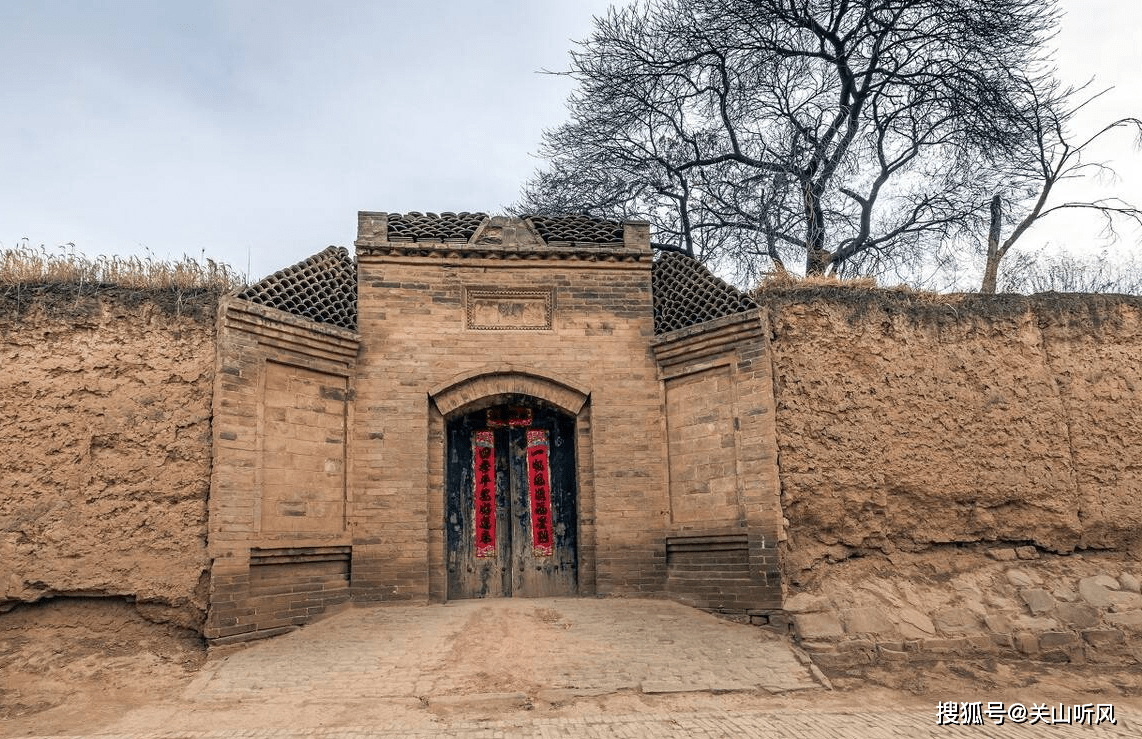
(468, 391)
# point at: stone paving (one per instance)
(760, 725)
(408, 671)
(587, 645)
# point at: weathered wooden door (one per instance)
(511, 517)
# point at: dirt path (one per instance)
(87, 666)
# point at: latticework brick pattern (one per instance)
(686, 293)
(415, 226)
(577, 229)
(322, 288)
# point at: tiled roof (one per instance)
(432, 227)
(577, 229)
(686, 293)
(322, 288)
(460, 227)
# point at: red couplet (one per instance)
(484, 461)
(542, 539)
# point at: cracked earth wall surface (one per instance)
(105, 443)
(901, 426)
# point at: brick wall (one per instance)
(724, 495)
(278, 539)
(446, 327)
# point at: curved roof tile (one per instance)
(322, 288)
(577, 229)
(686, 294)
(415, 226)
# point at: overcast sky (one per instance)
(254, 130)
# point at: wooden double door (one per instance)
(511, 520)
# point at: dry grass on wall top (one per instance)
(70, 283)
(861, 297)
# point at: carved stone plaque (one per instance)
(492, 309)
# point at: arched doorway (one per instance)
(511, 510)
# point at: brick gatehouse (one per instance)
(490, 406)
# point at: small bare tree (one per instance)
(1032, 272)
(1046, 155)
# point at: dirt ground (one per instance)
(74, 665)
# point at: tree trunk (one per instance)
(817, 261)
(817, 257)
(991, 269)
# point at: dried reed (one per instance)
(28, 265)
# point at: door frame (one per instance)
(479, 390)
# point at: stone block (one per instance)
(1038, 600)
(1049, 640)
(997, 623)
(1003, 641)
(1094, 590)
(1107, 581)
(1122, 600)
(1077, 615)
(1034, 623)
(1027, 643)
(958, 645)
(980, 643)
(1104, 638)
(892, 655)
(1001, 554)
(954, 621)
(818, 646)
(1027, 552)
(807, 603)
(915, 624)
(867, 620)
(1130, 621)
(1022, 578)
(1129, 582)
(811, 626)
(1065, 593)
(779, 622)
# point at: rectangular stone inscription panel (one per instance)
(508, 309)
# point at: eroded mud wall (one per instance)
(904, 423)
(105, 446)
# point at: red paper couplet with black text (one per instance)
(484, 461)
(542, 539)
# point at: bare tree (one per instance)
(1046, 155)
(835, 131)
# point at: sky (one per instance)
(252, 131)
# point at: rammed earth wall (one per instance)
(902, 423)
(105, 446)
